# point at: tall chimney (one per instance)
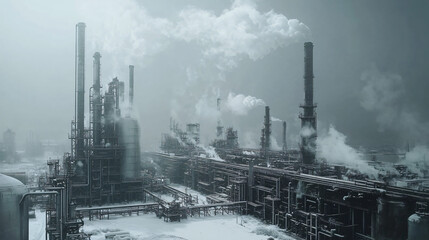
(80, 88)
(284, 137)
(219, 128)
(131, 96)
(96, 102)
(267, 128)
(308, 118)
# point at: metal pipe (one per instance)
(24, 211)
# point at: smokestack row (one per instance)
(308, 118)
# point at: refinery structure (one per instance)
(105, 174)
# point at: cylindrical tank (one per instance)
(13, 220)
(129, 136)
(391, 218)
(418, 227)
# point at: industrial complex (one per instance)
(107, 175)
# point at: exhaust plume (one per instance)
(274, 119)
(240, 104)
(384, 95)
(333, 147)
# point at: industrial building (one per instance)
(289, 188)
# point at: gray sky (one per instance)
(370, 64)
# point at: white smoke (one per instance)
(125, 29)
(240, 104)
(274, 119)
(417, 160)
(307, 131)
(383, 94)
(274, 145)
(333, 147)
(238, 31)
(250, 140)
(210, 152)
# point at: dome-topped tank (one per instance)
(11, 224)
(418, 226)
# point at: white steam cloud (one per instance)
(126, 29)
(383, 94)
(333, 147)
(274, 119)
(274, 144)
(238, 31)
(240, 104)
(417, 160)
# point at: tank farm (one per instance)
(105, 175)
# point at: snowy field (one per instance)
(148, 226)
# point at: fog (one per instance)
(370, 65)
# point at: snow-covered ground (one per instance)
(224, 227)
(37, 226)
(149, 227)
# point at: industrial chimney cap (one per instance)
(97, 55)
(81, 24)
(308, 44)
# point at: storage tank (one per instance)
(129, 138)
(418, 226)
(391, 218)
(13, 220)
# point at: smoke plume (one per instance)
(240, 104)
(274, 119)
(417, 160)
(274, 144)
(384, 95)
(238, 31)
(333, 147)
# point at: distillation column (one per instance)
(131, 92)
(80, 88)
(308, 118)
(96, 104)
(284, 137)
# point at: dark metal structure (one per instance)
(308, 118)
(266, 133)
(284, 147)
(104, 165)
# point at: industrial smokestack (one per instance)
(284, 137)
(96, 102)
(267, 128)
(80, 88)
(266, 132)
(308, 119)
(131, 96)
(219, 128)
